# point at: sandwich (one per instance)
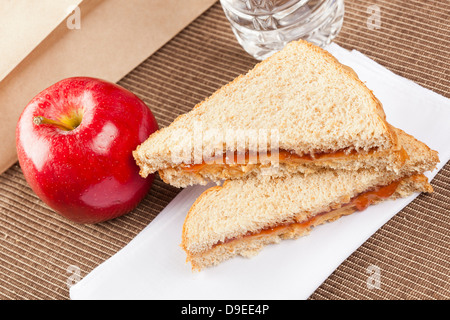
(298, 111)
(242, 216)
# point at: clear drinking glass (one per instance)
(263, 27)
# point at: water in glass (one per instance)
(263, 27)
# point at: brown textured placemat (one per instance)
(39, 250)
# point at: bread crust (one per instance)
(386, 160)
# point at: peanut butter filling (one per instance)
(239, 164)
(357, 203)
(284, 156)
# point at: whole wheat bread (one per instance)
(313, 103)
(240, 209)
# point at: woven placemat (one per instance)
(41, 252)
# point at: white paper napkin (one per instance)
(152, 266)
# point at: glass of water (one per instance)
(263, 27)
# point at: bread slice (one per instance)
(287, 164)
(242, 216)
(301, 100)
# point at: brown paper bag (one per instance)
(25, 24)
(98, 38)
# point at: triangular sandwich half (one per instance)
(242, 216)
(300, 104)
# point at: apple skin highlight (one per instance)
(87, 174)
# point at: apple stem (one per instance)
(41, 120)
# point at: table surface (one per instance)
(39, 249)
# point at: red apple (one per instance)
(74, 143)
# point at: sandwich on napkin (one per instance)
(315, 122)
(243, 216)
(300, 108)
